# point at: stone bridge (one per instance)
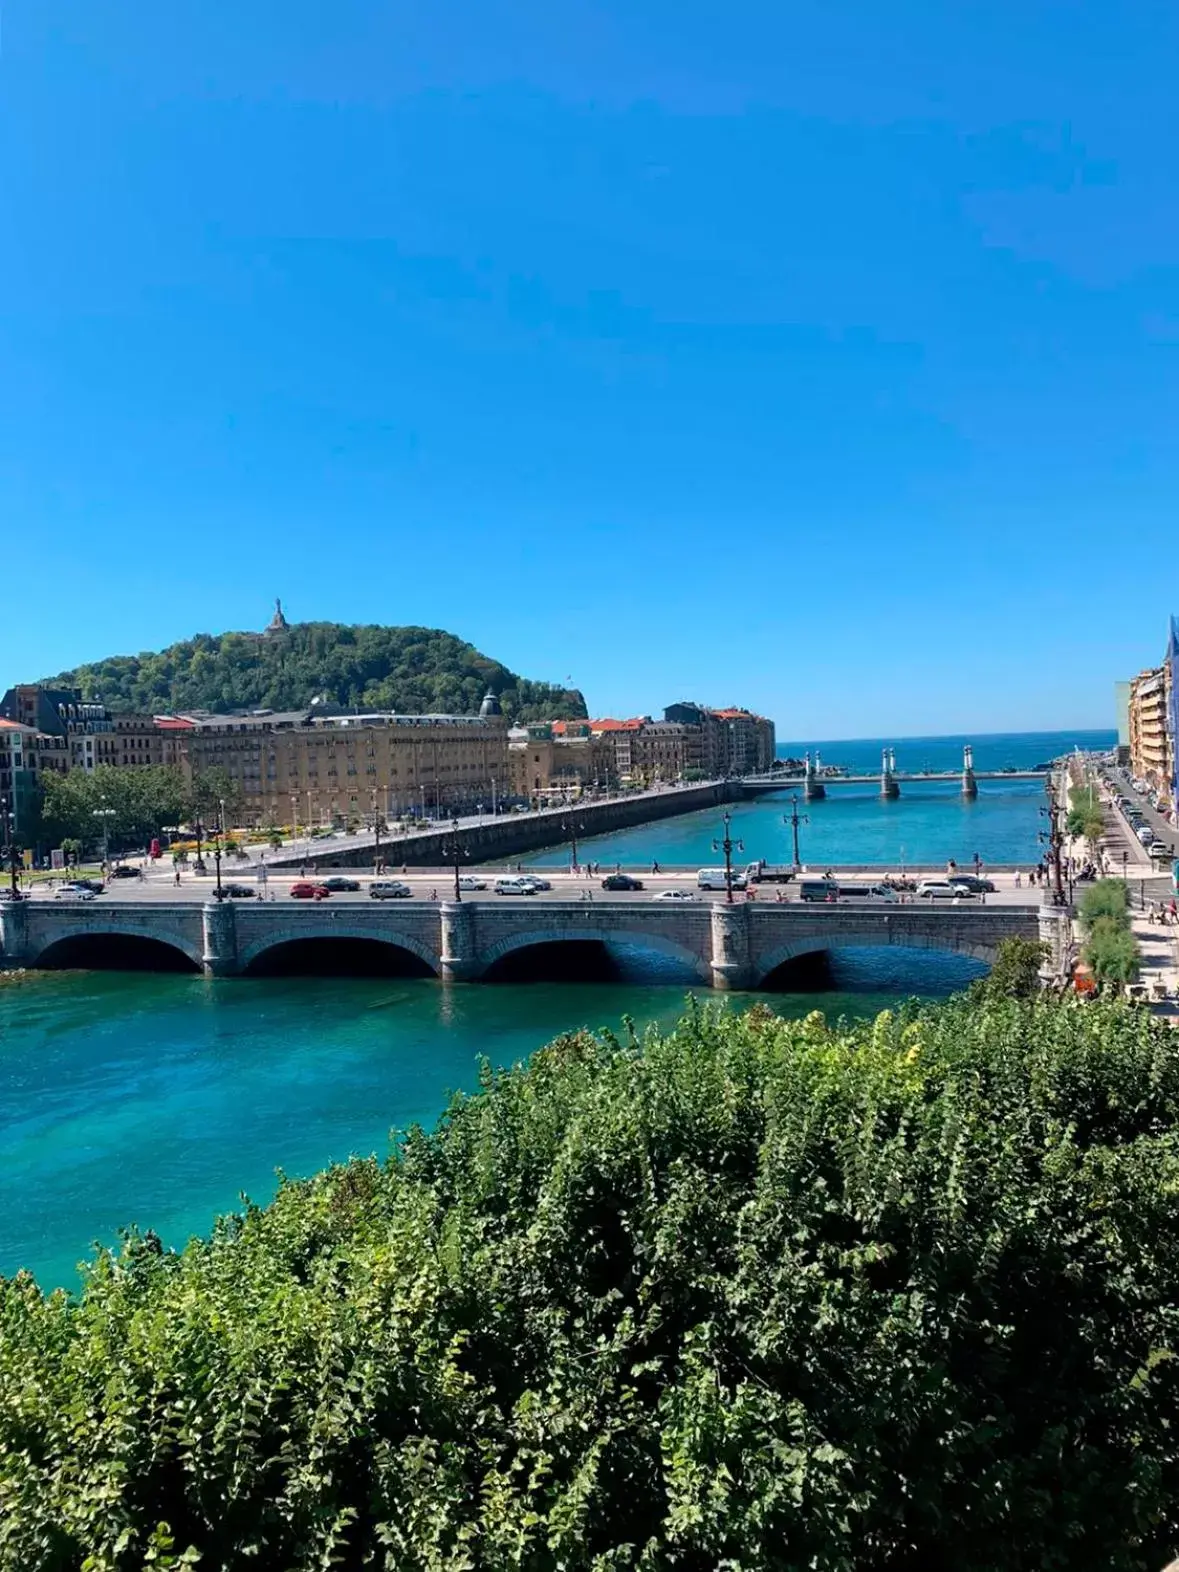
(737, 946)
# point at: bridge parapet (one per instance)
(729, 946)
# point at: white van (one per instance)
(714, 879)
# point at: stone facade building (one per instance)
(732, 741)
(1151, 745)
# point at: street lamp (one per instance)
(794, 819)
(200, 862)
(9, 816)
(727, 847)
(570, 828)
(376, 833)
(218, 893)
(455, 851)
(106, 815)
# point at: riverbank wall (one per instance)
(512, 835)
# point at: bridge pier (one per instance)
(219, 935)
(813, 789)
(731, 964)
(457, 956)
(889, 789)
(969, 784)
(14, 934)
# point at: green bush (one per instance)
(1106, 898)
(757, 1294)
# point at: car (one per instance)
(867, 892)
(337, 883)
(621, 881)
(942, 890)
(718, 879)
(389, 890)
(238, 892)
(536, 882)
(305, 891)
(1157, 849)
(124, 871)
(676, 895)
(7, 894)
(514, 887)
(468, 881)
(972, 882)
(1146, 835)
(818, 890)
(73, 892)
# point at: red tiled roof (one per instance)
(173, 723)
(617, 725)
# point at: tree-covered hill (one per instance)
(413, 670)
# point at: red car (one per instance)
(305, 891)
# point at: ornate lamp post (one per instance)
(794, 819)
(106, 815)
(9, 816)
(570, 827)
(218, 893)
(727, 846)
(455, 851)
(377, 826)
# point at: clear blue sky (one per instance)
(823, 357)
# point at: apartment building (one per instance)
(1151, 755)
(733, 741)
(301, 767)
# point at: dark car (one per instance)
(239, 892)
(123, 871)
(621, 881)
(95, 886)
(337, 883)
(971, 882)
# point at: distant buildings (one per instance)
(314, 767)
(1152, 722)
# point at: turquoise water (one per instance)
(929, 823)
(157, 1100)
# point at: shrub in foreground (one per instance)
(757, 1294)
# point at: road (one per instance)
(161, 886)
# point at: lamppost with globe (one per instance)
(727, 846)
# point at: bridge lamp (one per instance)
(727, 846)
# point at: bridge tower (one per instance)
(813, 789)
(889, 789)
(969, 784)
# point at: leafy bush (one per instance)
(1106, 898)
(1016, 971)
(759, 1294)
(1110, 949)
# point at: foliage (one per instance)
(758, 1294)
(1110, 949)
(1016, 972)
(1085, 817)
(142, 801)
(413, 670)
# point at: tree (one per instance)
(757, 1293)
(1016, 972)
(210, 789)
(1109, 949)
(134, 804)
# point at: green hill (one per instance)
(412, 670)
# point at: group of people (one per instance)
(1164, 912)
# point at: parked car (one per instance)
(1146, 835)
(513, 886)
(305, 891)
(468, 881)
(389, 890)
(339, 884)
(1157, 849)
(943, 890)
(971, 881)
(239, 892)
(621, 881)
(676, 895)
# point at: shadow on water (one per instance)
(114, 952)
(887, 969)
(329, 957)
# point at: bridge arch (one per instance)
(260, 956)
(531, 938)
(765, 965)
(117, 949)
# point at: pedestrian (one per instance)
(434, 892)
(176, 877)
(1018, 879)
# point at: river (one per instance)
(930, 822)
(150, 1099)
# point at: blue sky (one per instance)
(818, 357)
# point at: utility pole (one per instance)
(727, 846)
(794, 819)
